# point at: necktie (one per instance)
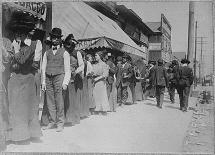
(54, 48)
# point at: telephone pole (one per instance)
(191, 34)
(195, 80)
(201, 60)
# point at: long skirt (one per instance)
(90, 90)
(129, 98)
(100, 96)
(23, 107)
(5, 109)
(113, 97)
(72, 105)
(139, 91)
(85, 98)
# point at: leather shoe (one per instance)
(59, 129)
(49, 126)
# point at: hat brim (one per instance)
(59, 36)
(185, 61)
(21, 27)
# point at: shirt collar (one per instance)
(58, 46)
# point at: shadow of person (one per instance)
(151, 104)
(172, 107)
(24, 142)
(35, 140)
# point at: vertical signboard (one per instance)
(165, 27)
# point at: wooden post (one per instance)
(191, 33)
(195, 80)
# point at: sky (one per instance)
(177, 13)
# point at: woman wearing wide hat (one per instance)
(23, 106)
(185, 81)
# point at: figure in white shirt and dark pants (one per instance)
(56, 76)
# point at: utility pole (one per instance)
(191, 34)
(195, 80)
(201, 60)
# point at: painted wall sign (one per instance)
(36, 8)
(165, 27)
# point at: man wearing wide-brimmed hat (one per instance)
(185, 82)
(160, 81)
(56, 76)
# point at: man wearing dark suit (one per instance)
(160, 81)
(185, 81)
(112, 71)
(126, 74)
(118, 79)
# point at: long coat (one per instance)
(160, 76)
(118, 74)
(128, 70)
(185, 76)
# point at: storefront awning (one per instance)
(92, 28)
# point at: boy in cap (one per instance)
(185, 82)
(56, 76)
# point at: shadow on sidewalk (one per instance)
(151, 104)
(172, 107)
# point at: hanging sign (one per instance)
(38, 9)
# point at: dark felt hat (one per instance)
(174, 62)
(152, 62)
(160, 61)
(183, 61)
(70, 37)
(119, 58)
(56, 32)
(127, 56)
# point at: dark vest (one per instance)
(55, 63)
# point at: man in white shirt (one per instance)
(56, 76)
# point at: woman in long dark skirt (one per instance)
(23, 106)
(74, 96)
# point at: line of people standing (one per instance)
(76, 84)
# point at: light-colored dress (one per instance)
(100, 89)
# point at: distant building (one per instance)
(160, 42)
(134, 27)
(128, 21)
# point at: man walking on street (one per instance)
(185, 81)
(172, 77)
(160, 81)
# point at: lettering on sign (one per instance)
(86, 43)
(166, 28)
(37, 7)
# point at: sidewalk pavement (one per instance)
(138, 128)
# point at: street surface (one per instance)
(138, 128)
